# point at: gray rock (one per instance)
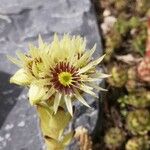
(20, 23)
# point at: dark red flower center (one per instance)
(65, 77)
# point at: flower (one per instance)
(63, 69)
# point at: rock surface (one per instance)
(20, 23)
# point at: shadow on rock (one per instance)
(8, 96)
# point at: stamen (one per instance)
(65, 77)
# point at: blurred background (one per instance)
(21, 21)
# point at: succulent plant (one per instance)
(138, 100)
(114, 137)
(134, 22)
(120, 4)
(138, 121)
(138, 143)
(132, 74)
(139, 40)
(57, 72)
(142, 6)
(119, 76)
(122, 26)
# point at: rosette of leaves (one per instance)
(134, 22)
(118, 76)
(114, 138)
(138, 121)
(122, 26)
(142, 6)
(120, 5)
(138, 143)
(138, 100)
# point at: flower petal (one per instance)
(88, 90)
(57, 102)
(68, 104)
(100, 75)
(85, 56)
(91, 64)
(21, 56)
(91, 79)
(21, 78)
(15, 61)
(97, 87)
(40, 41)
(80, 98)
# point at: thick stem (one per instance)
(53, 125)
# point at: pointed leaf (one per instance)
(68, 104)
(91, 64)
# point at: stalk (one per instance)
(53, 126)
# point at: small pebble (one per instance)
(1, 139)
(9, 126)
(7, 136)
(21, 124)
(106, 13)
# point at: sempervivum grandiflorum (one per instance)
(60, 71)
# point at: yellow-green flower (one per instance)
(63, 69)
